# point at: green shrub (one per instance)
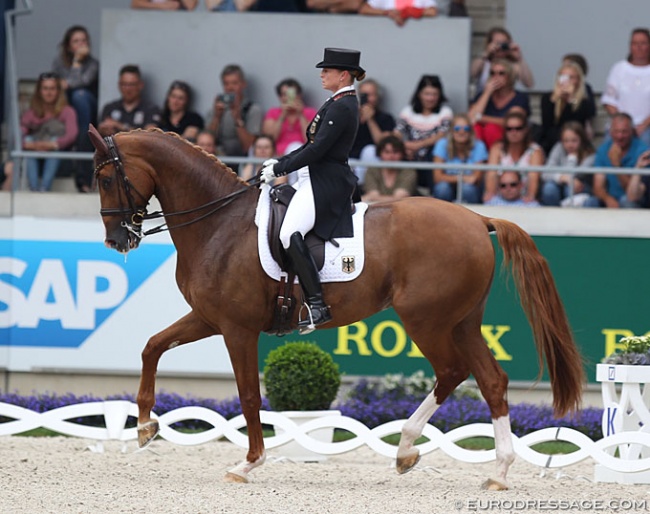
(300, 376)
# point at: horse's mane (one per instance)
(213, 157)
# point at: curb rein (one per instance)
(140, 214)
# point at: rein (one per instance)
(140, 214)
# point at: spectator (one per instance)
(49, 124)
(79, 72)
(230, 5)
(205, 140)
(516, 149)
(424, 122)
(177, 116)
(335, 6)
(165, 5)
(287, 124)
(263, 148)
(569, 101)
(130, 111)
(581, 61)
(497, 98)
(628, 85)
(374, 125)
(621, 150)
(638, 189)
(6, 176)
(510, 192)
(499, 45)
(573, 149)
(235, 120)
(400, 11)
(460, 147)
(384, 184)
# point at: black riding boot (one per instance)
(305, 268)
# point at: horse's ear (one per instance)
(97, 140)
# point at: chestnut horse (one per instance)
(431, 261)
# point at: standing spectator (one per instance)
(165, 5)
(460, 147)
(177, 116)
(205, 140)
(510, 192)
(572, 150)
(628, 85)
(287, 124)
(499, 45)
(621, 150)
(516, 149)
(235, 120)
(49, 124)
(398, 10)
(498, 97)
(638, 189)
(374, 125)
(424, 122)
(384, 184)
(568, 101)
(79, 72)
(130, 111)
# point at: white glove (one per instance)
(268, 162)
(267, 174)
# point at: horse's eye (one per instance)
(106, 182)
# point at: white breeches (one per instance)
(301, 213)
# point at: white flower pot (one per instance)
(296, 452)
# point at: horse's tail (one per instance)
(545, 312)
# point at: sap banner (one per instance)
(69, 303)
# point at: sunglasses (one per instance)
(518, 128)
(492, 73)
(508, 184)
(462, 128)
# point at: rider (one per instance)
(324, 202)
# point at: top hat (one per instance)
(341, 59)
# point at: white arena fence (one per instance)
(116, 413)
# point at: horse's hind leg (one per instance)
(186, 330)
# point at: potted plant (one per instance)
(301, 382)
(627, 370)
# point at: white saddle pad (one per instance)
(342, 264)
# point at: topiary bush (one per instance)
(300, 376)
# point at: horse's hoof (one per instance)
(406, 464)
(492, 485)
(147, 432)
(233, 478)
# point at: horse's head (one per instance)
(125, 187)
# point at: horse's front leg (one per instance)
(186, 330)
(242, 347)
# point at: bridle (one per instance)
(133, 215)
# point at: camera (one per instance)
(363, 98)
(227, 98)
(504, 46)
(563, 79)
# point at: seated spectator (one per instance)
(581, 61)
(399, 11)
(516, 149)
(628, 85)
(374, 125)
(460, 147)
(568, 101)
(6, 176)
(572, 150)
(638, 188)
(510, 192)
(263, 148)
(235, 120)
(130, 111)
(177, 116)
(424, 122)
(335, 6)
(79, 71)
(488, 109)
(287, 124)
(621, 150)
(500, 46)
(205, 140)
(49, 124)
(384, 184)
(165, 5)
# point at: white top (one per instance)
(628, 89)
